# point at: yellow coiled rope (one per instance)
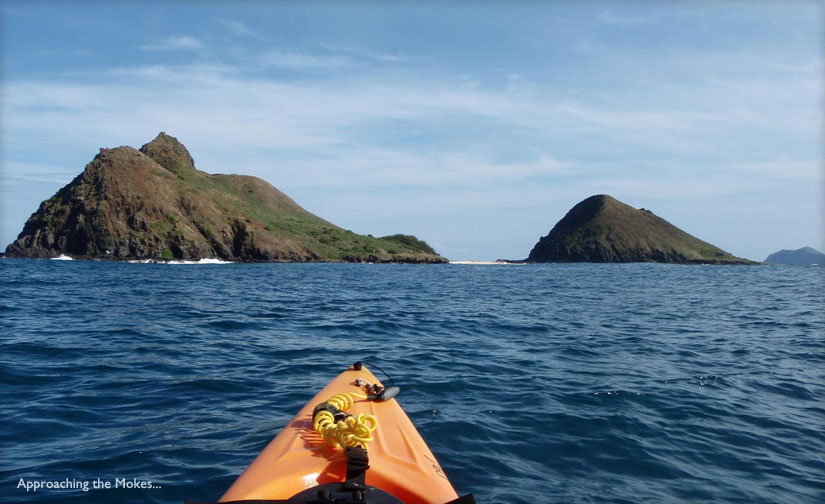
(350, 431)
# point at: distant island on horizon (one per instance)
(806, 256)
(152, 203)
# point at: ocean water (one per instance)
(535, 383)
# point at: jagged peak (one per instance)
(168, 152)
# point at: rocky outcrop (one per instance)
(603, 229)
(153, 203)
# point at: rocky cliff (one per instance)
(603, 229)
(153, 203)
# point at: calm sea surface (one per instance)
(538, 383)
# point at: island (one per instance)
(806, 256)
(152, 203)
(602, 229)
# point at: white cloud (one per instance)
(365, 53)
(323, 109)
(304, 133)
(192, 74)
(24, 173)
(238, 28)
(781, 169)
(302, 60)
(174, 43)
(609, 17)
(370, 168)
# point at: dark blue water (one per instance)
(545, 383)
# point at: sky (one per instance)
(474, 126)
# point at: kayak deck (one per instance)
(400, 462)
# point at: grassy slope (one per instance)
(627, 227)
(273, 217)
(269, 211)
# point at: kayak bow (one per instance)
(300, 466)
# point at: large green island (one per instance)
(152, 203)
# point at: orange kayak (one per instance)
(388, 463)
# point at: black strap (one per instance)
(357, 464)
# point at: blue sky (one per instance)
(473, 126)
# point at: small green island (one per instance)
(602, 229)
(152, 203)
